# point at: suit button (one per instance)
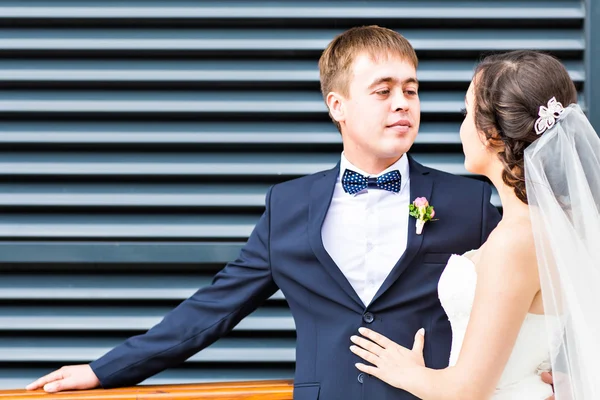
(361, 377)
(368, 317)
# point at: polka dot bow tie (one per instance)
(353, 182)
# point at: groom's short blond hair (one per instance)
(335, 64)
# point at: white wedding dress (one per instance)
(520, 379)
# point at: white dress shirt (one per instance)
(366, 233)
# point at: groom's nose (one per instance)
(400, 102)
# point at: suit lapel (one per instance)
(421, 185)
(320, 198)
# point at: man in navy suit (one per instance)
(340, 244)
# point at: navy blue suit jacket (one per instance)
(285, 251)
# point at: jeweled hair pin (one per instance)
(548, 116)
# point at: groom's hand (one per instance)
(549, 379)
(67, 378)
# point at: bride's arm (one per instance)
(506, 286)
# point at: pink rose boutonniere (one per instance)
(422, 211)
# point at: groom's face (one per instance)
(381, 112)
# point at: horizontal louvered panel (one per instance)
(426, 10)
(133, 195)
(201, 133)
(257, 72)
(56, 287)
(276, 40)
(107, 318)
(146, 102)
(129, 226)
(190, 164)
(77, 349)
(99, 253)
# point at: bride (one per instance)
(538, 273)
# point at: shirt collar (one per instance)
(401, 165)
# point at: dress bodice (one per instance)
(520, 379)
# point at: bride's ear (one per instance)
(491, 140)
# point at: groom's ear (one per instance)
(335, 103)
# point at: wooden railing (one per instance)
(256, 390)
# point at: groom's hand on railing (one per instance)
(73, 377)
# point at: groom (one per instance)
(340, 244)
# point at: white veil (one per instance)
(562, 172)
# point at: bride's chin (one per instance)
(469, 167)
(474, 169)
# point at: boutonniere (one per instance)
(422, 211)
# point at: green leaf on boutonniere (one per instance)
(413, 211)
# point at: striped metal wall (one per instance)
(138, 140)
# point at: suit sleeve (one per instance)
(237, 290)
(491, 215)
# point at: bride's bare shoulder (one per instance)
(511, 245)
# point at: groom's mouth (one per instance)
(401, 126)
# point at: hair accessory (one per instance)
(548, 116)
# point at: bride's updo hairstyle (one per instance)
(509, 90)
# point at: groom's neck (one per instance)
(370, 164)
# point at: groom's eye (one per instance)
(463, 111)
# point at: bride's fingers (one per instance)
(547, 378)
(419, 341)
(366, 344)
(367, 369)
(365, 355)
(377, 338)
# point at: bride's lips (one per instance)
(401, 126)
